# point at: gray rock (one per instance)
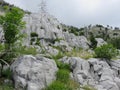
(117, 81)
(94, 72)
(51, 50)
(100, 42)
(80, 68)
(33, 73)
(109, 85)
(76, 41)
(115, 64)
(46, 26)
(64, 45)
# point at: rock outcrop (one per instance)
(33, 73)
(46, 26)
(76, 41)
(100, 42)
(95, 72)
(49, 30)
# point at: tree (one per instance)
(12, 24)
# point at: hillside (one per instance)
(54, 56)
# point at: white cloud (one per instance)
(78, 12)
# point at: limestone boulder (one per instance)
(33, 73)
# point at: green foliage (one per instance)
(56, 85)
(6, 87)
(25, 51)
(93, 41)
(7, 73)
(57, 40)
(58, 56)
(2, 47)
(32, 39)
(38, 42)
(61, 65)
(74, 30)
(8, 57)
(72, 85)
(63, 75)
(106, 51)
(115, 42)
(12, 24)
(79, 53)
(5, 7)
(33, 34)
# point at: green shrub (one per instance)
(79, 53)
(6, 87)
(93, 41)
(8, 57)
(2, 47)
(37, 41)
(25, 50)
(115, 42)
(34, 34)
(57, 85)
(28, 50)
(61, 65)
(58, 56)
(32, 39)
(7, 73)
(5, 7)
(72, 85)
(106, 51)
(63, 75)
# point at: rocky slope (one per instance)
(95, 72)
(45, 33)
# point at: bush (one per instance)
(93, 41)
(115, 42)
(58, 56)
(106, 51)
(7, 73)
(61, 65)
(2, 47)
(57, 85)
(6, 87)
(73, 85)
(27, 51)
(34, 34)
(63, 75)
(79, 53)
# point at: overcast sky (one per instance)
(78, 12)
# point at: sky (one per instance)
(77, 13)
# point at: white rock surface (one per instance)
(100, 42)
(95, 72)
(33, 73)
(76, 41)
(46, 26)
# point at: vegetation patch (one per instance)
(80, 53)
(106, 51)
(33, 34)
(63, 75)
